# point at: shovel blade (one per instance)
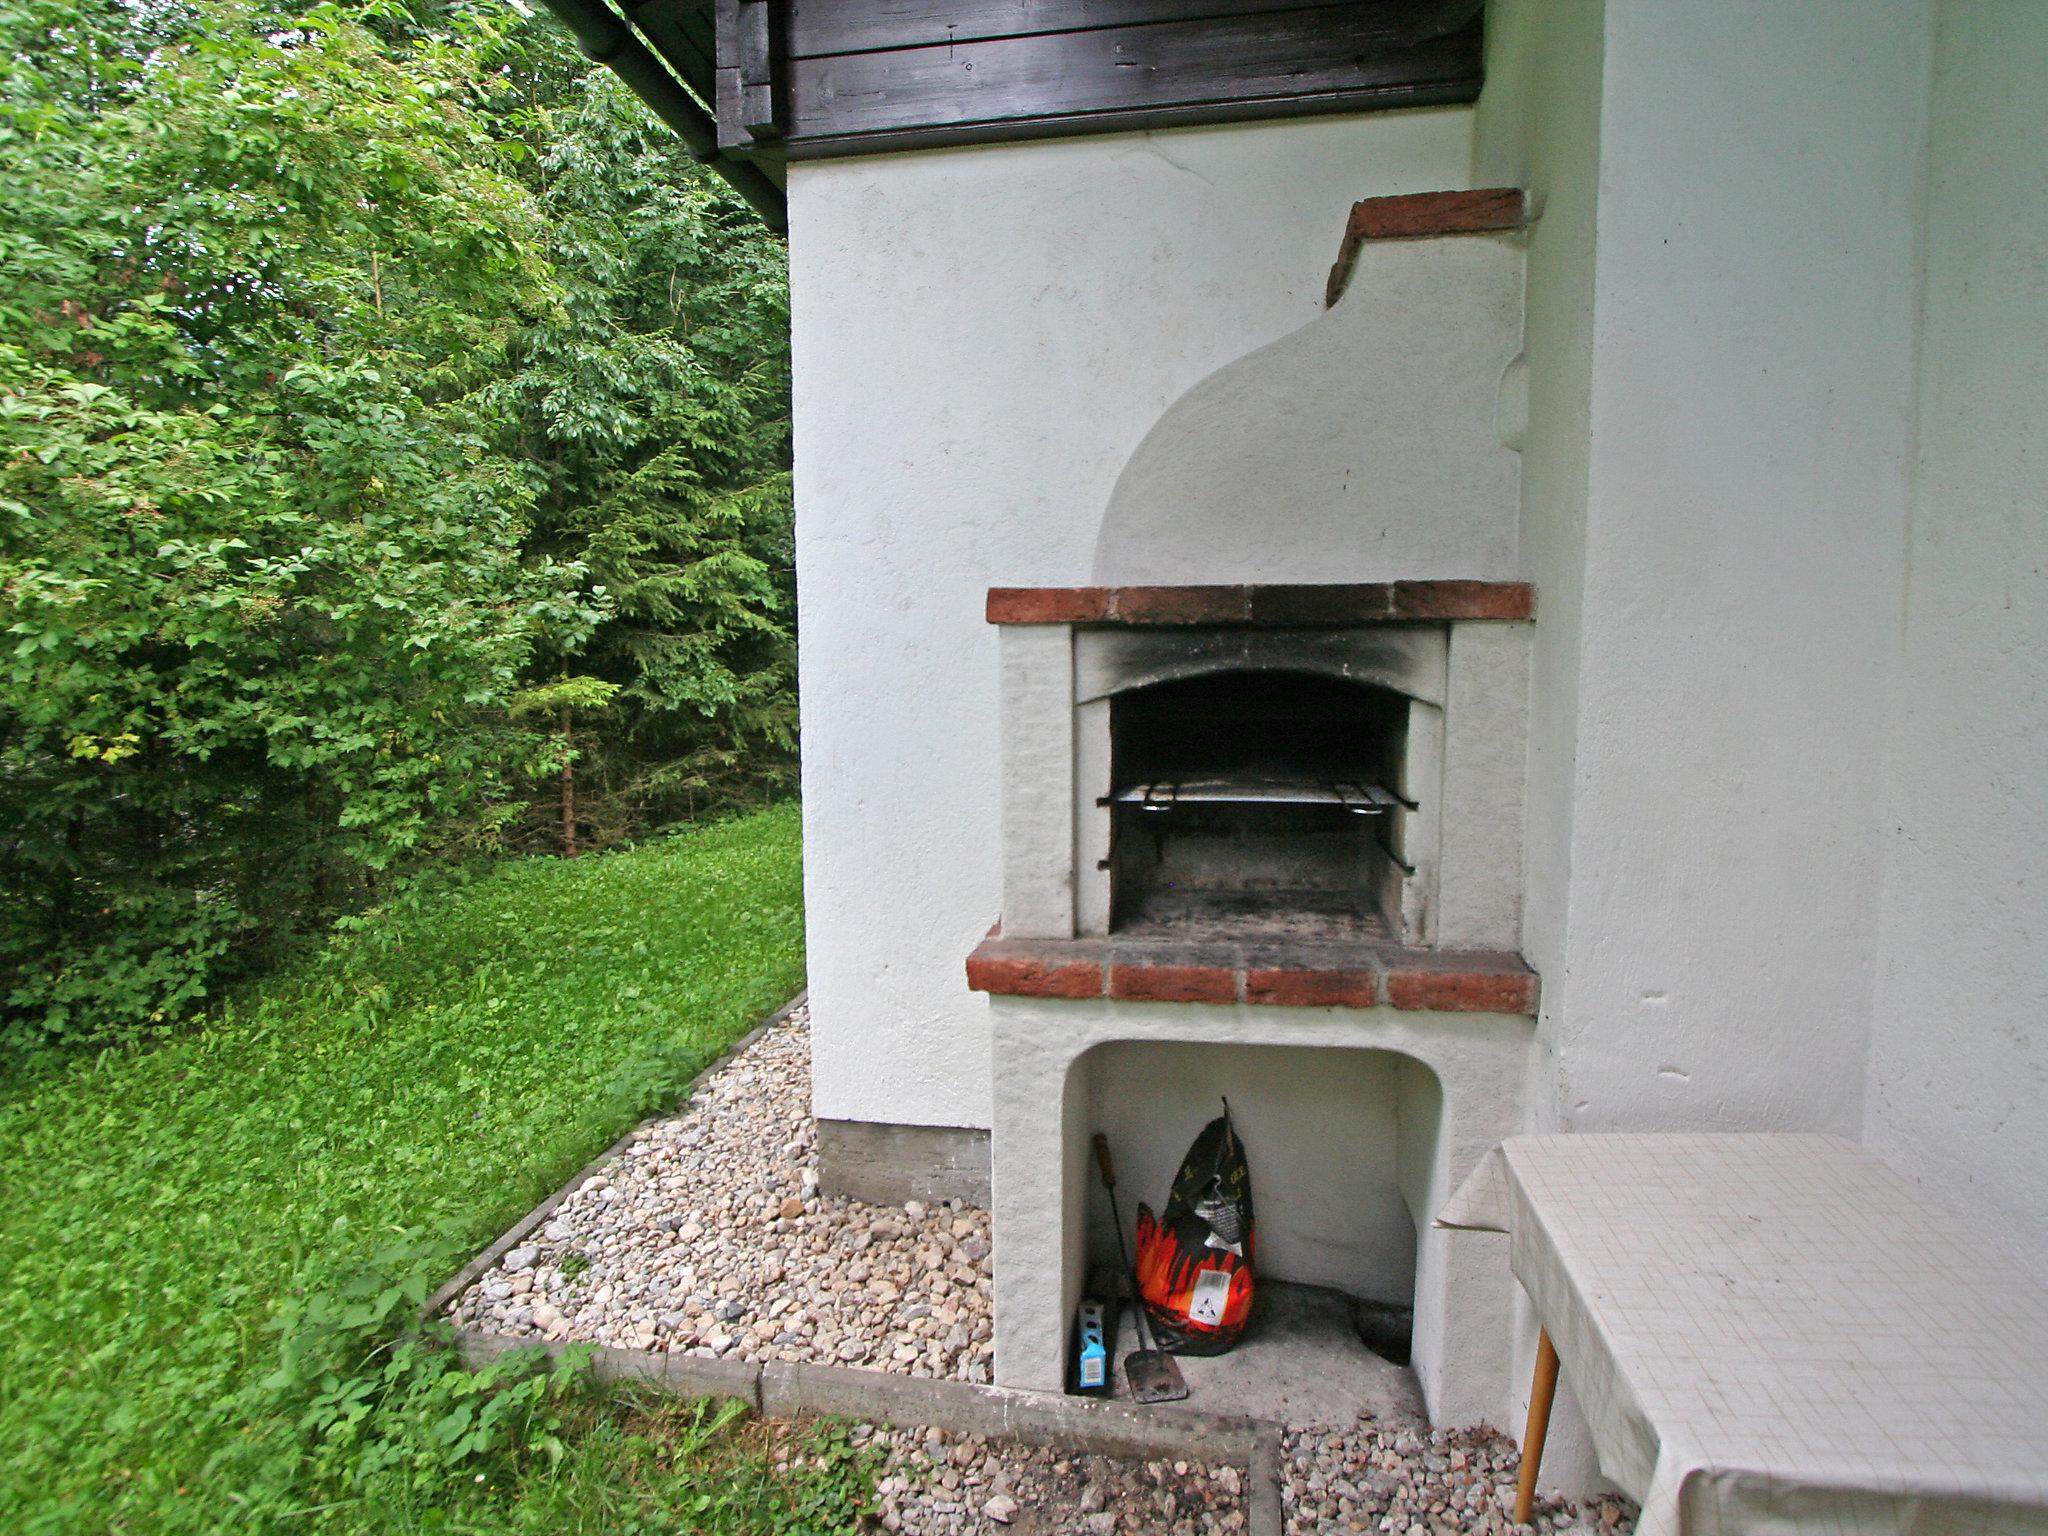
(1153, 1377)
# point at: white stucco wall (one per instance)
(1364, 446)
(1537, 126)
(1958, 1091)
(1719, 336)
(1743, 541)
(982, 336)
(1783, 496)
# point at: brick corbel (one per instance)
(1420, 215)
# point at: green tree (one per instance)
(393, 424)
(264, 572)
(652, 410)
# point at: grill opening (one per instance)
(1257, 801)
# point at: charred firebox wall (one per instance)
(1257, 800)
(1242, 783)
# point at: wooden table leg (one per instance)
(1541, 1391)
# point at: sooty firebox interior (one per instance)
(1257, 801)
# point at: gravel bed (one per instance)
(707, 1235)
(938, 1484)
(1409, 1479)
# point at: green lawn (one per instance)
(411, 1093)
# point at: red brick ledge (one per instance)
(1418, 215)
(1375, 602)
(1297, 975)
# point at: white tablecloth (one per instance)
(1777, 1333)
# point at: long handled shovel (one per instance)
(1154, 1376)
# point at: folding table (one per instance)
(1774, 1333)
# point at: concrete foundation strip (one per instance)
(780, 1389)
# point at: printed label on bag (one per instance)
(1212, 1290)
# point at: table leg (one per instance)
(1541, 1391)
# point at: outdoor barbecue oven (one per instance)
(1261, 793)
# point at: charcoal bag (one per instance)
(1195, 1260)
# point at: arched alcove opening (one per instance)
(1343, 1145)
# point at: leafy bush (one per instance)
(379, 404)
(262, 574)
(209, 1238)
(379, 1403)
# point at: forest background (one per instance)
(394, 450)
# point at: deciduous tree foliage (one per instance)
(340, 411)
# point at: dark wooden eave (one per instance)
(752, 84)
(676, 84)
(796, 79)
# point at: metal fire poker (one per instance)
(1153, 1375)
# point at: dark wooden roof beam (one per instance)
(860, 76)
(605, 37)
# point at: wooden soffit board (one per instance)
(810, 78)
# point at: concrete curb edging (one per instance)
(803, 1391)
(481, 1265)
(797, 1391)
(1263, 1514)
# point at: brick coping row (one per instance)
(1273, 605)
(1277, 974)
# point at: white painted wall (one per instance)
(1742, 553)
(1958, 1092)
(982, 336)
(1537, 126)
(1788, 791)
(1362, 447)
(1719, 338)
(1787, 740)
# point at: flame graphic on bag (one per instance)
(1195, 1262)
